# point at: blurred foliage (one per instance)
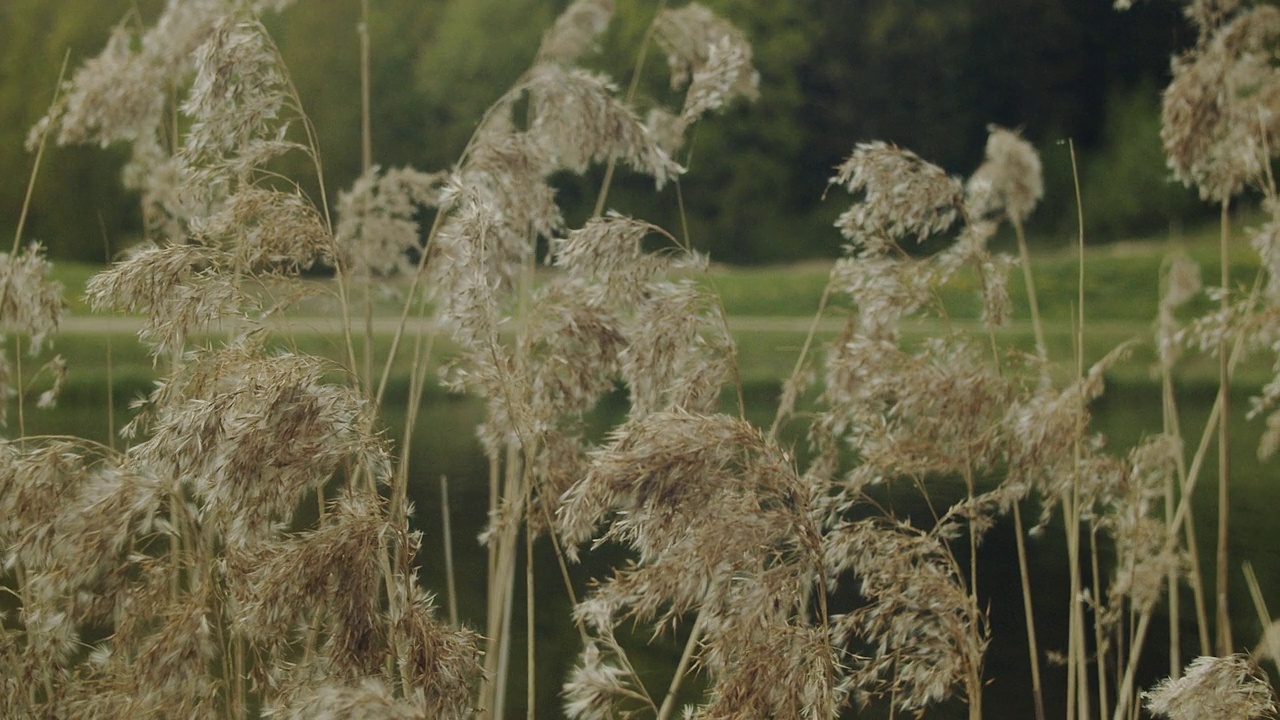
(1128, 190)
(925, 74)
(78, 194)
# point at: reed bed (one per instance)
(249, 550)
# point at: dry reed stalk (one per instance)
(1181, 284)
(1223, 614)
(1077, 667)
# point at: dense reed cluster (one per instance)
(250, 552)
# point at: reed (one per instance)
(178, 575)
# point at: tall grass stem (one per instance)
(1223, 622)
(446, 530)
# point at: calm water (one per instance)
(445, 445)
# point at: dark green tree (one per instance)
(925, 74)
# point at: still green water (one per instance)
(445, 445)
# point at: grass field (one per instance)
(771, 309)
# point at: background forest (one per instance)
(924, 74)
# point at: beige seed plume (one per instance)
(1012, 175)
(900, 195)
(30, 303)
(689, 36)
(575, 31)
(578, 120)
(370, 699)
(1221, 114)
(376, 225)
(1210, 688)
(175, 285)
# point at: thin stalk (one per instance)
(341, 274)
(686, 657)
(224, 661)
(1122, 657)
(367, 366)
(366, 164)
(974, 692)
(491, 610)
(1170, 499)
(632, 87)
(1196, 578)
(111, 397)
(573, 594)
(970, 493)
(1079, 677)
(1223, 622)
(17, 359)
(1024, 575)
(1099, 640)
(504, 647)
(787, 405)
(1179, 518)
(1033, 650)
(1075, 634)
(687, 246)
(403, 573)
(1173, 427)
(450, 584)
(35, 168)
(366, 123)
(1024, 256)
(406, 308)
(237, 645)
(1270, 642)
(518, 482)
(111, 375)
(501, 594)
(1124, 693)
(531, 684)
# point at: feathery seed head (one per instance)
(1221, 116)
(370, 699)
(1266, 241)
(1181, 282)
(335, 570)
(267, 230)
(690, 35)
(175, 285)
(578, 120)
(30, 303)
(575, 31)
(250, 434)
(596, 686)
(901, 195)
(1213, 687)
(926, 631)
(1010, 179)
(726, 74)
(376, 225)
(1210, 14)
(235, 100)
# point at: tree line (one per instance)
(929, 75)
